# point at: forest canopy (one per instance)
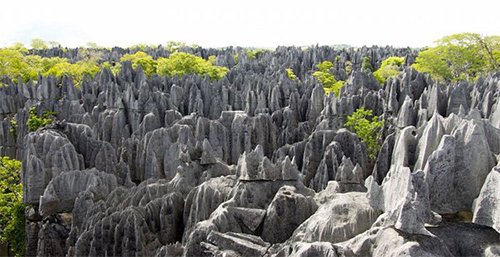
(22, 64)
(464, 56)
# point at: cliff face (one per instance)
(256, 163)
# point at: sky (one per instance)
(255, 23)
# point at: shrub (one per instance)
(366, 65)
(390, 67)
(325, 76)
(335, 88)
(368, 128)
(348, 67)
(180, 64)
(35, 122)
(291, 75)
(12, 228)
(146, 62)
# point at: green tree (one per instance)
(39, 44)
(255, 53)
(77, 71)
(12, 64)
(324, 75)
(180, 64)
(463, 56)
(348, 67)
(368, 128)
(12, 228)
(366, 65)
(291, 75)
(391, 66)
(147, 63)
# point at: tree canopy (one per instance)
(146, 62)
(17, 63)
(463, 56)
(368, 128)
(390, 67)
(180, 64)
(324, 75)
(11, 206)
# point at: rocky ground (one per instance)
(257, 164)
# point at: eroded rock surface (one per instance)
(256, 164)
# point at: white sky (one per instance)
(258, 23)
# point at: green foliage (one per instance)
(463, 56)
(16, 64)
(335, 88)
(12, 64)
(39, 44)
(12, 228)
(291, 75)
(146, 62)
(255, 53)
(113, 67)
(325, 66)
(180, 64)
(390, 67)
(366, 65)
(35, 122)
(212, 59)
(368, 128)
(13, 126)
(325, 76)
(76, 70)
(348, 67)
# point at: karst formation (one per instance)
(256, 163)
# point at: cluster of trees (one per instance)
(464, 56)
(12, 228)
(324, 74)
(177, 64)
(17, 63)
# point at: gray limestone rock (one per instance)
(235, 244)
(308, 250)
(467, 239)
(205, 198)
(405, 147)
(285, 213)
(407, 115)
(429, 140)
(487, 205)
(393, 242)
(404, 197)
(473, 162)
(439, 175)
(46, 155)
(384, 159)
(197, 167)
(339, 219)
(61, 192)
